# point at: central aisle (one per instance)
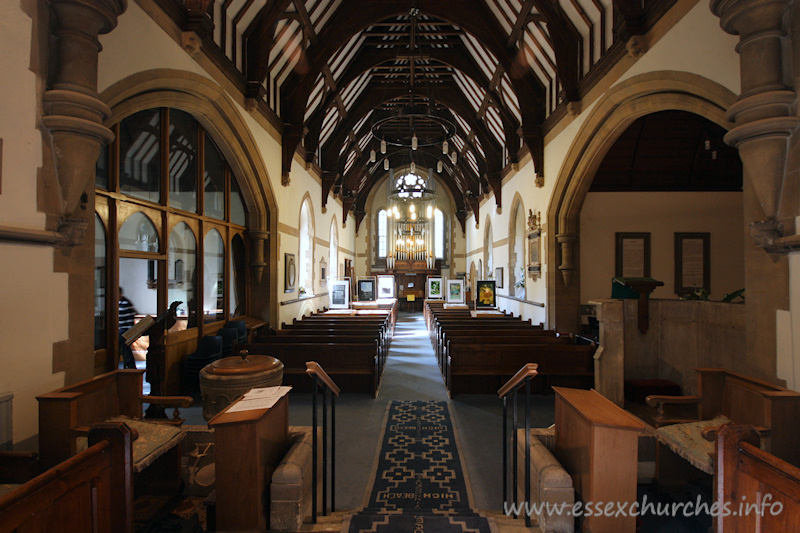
(411, 373)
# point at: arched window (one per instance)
(214, 269)
(181, 268)
(438, 233)
(382, 233)
(305, 279)
(333, 253)
(488, 251)
(160, 234)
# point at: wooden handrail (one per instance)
(313, 368)
(529, 370)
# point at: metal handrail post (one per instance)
(527, 451)
(333, 450)
(325, 452)
(505, 450)
(514, 451)
(314, 452)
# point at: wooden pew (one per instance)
(743, 400)
(325, 336)
(355, 366)
(489, 333)
(66, 415)
(89, 492)
(761, 491)
(484, 368)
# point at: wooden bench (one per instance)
(740, 399)
(89, 492)
(355, 365)
(484, 368)
(66, 416)
(511, 335)
(747, 474)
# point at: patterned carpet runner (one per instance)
(419, 485)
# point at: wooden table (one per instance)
(597, 442)
(249, 447)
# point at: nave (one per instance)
(411, 374)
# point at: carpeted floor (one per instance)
(418, 480)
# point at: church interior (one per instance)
(395, 265)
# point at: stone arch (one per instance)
(618, 109)
(222, 118)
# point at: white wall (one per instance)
(661, 214)
(33, 298)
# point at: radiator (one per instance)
(6, 426)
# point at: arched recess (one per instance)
(624, 103)
(516, 243)
(222, 118)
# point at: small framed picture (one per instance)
(692, 262)
(386, 286)
(366, 289)
(435, 288)
(289, 272)
(340, 294)
(632, 255)
(455, 291)
(485, 294)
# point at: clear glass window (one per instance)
(382, 233)
(138, 234)
(214, 181)
(182, 161)
(181, 269)
(213, 277)
(140, 155)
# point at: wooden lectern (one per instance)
(249, 447)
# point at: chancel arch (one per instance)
(614, 113)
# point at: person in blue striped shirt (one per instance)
(127, 315)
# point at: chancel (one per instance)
(499, 254)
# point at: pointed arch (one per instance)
(307, 231)
(618, 109)
(222, 118)
(516, 242)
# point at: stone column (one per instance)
(74, 113)
(765, 118)
(73, 133)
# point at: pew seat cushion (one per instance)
(687, 441)
(154, 440)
